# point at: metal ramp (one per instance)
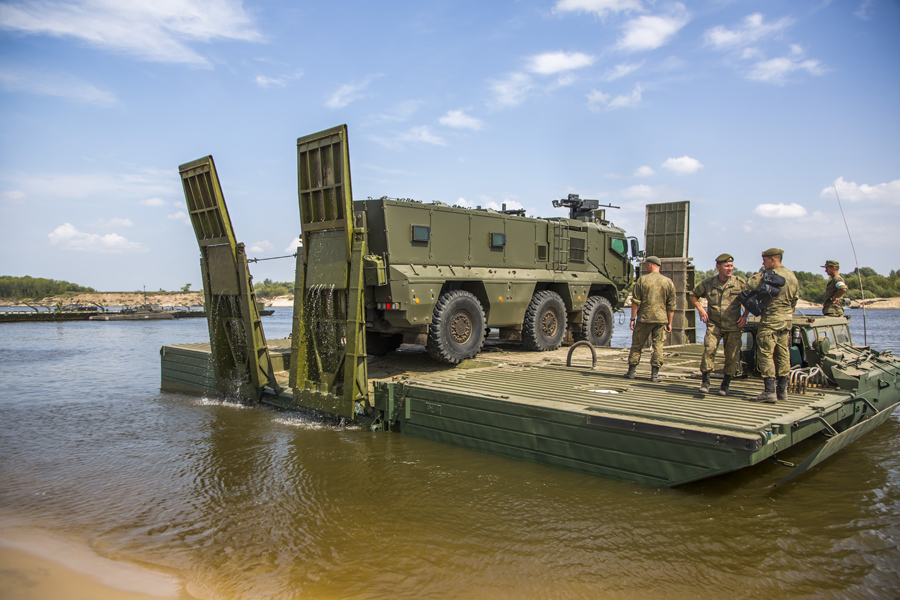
(328, 370)
(241, 361)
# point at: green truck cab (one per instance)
(442, 276)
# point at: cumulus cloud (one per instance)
(350, 92)
(511, 90)
(752, 29)
(601, 8)
(850, 190)
(59, 85)
(153, 202)
(780, 211)
(649, 32)
(644, 171)
(417, 135)
(620, 71)
(295, 244)
(683, 166)
(67, 237)
(598, 100)
(152, 31)
(111, 223)
(551, 63)
(180, 216)
(460, 120)
(261, 247)
(777, 70)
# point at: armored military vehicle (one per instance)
(442, 276)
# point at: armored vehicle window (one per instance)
(542, 252)
(576, 249)
(618, 246)
(841, 335)
(498, 240)
(421, 233)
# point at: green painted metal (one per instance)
(328, 372)
(241, 360)
(667, 229)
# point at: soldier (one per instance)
(652, 309)
(773, 357)
(834, 290)
(723, 320)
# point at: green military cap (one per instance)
(724, 258)
(654, 260)
(773, 252)
(832, 263)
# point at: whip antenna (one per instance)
(862, 292)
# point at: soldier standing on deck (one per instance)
(652, 309)
(834, 290)
(723, 320)
(773, 357)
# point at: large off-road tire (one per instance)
(597, 323)
(457, 327)
(544, 326)
(378, 344)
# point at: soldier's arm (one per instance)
(700, 310)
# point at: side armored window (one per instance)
(421, 233)
(618, 246)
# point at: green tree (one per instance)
(186, 288)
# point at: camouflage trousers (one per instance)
(656, 333)
(833, 310)
(714, 335)
(773, 355)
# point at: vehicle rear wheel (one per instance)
(457, 327)
(597, 323)
(545, 322)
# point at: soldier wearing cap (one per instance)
(652, 309)
(723, 320)
(834, 290)
(773, 357)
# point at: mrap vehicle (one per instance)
(443, 275)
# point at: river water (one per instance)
(233, 501)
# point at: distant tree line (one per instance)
(812, 285)
(272, 289)
(20, 288)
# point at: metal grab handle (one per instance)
(582, 343)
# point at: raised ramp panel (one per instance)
(667, 229)
(241, 361)
(328, 372)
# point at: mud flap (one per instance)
(838, 442)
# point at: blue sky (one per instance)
(751, 110)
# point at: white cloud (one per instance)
(111, 223)
(60, 85)
(180, 216)
(649, 32)
(133, 185)
(13, 195)
(850, 190)
(267, 82)
(620, 71)
(417, 135)
(69, 238)
(601, 8)
(460, 120)
(153, 31)
(261, 247)
(400, 112)
(153, 202)
(682, 166)
(350, 92)
(780, 211)
(511, 90)
(598, 100)
(551, 63)
(751, 31)
(295, 245)
(776, 70)
(644, 171)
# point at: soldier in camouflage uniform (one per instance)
(773, 357)
(834, 290)
(652, 309)
(723, 320)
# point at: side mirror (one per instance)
(635, 249)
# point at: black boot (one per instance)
(781, 387)
(704, 386)
(723, 389)
(654, 375)
(630, 373)
(768, 395)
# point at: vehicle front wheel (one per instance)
(597, 323)
(545, 322)
(457, 327)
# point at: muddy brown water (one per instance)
(232, 501)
